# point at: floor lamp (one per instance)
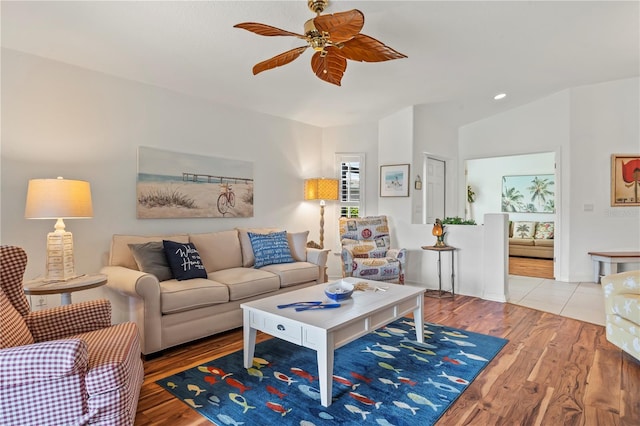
(321, 189)
(59, 199)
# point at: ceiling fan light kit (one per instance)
(334, 38)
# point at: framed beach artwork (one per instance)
(528, 194)
(625, 178)
(394, 180)
(178, 185)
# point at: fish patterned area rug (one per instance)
(382, 378)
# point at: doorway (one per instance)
(485, 177)
(435, 182)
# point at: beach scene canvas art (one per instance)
(528, 194)
(180, 185)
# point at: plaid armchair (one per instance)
(366, 251)
(65, 365)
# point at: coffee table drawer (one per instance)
(278, 327)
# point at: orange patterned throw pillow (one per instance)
(544, 231)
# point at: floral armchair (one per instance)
(622, 309)
(65, 365)
(366, 251)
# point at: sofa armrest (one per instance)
(616, 284)
(22, 365)
(145, 307)
(68, 320)
(317, 256)
(399, 254)
(132, 283)
(347, 262)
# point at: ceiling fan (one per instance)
(335, 38)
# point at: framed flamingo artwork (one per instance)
(625, 180)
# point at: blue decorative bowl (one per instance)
(338, 291)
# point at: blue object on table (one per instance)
(325, 306)
(290, 305)
(339, 291)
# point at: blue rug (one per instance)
(383, 378)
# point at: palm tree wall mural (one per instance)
(528, 194)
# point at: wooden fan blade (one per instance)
(367, 49)
(341, 26)
(266, 30)
(330, 67)
(279, 60)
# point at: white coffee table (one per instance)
(325, 330)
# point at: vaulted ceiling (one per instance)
(460, 53)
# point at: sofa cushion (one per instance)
(523, 229)
(269, 249)
(246, 282)
(544, 230)
(150, 258)
(121, 255)
(543, 243)
(13, 329)
(218, 250)
(184, 260)
(178, 296)
(245, 243)
(521, 242)
(294, 273)
(367, 248)
(298, 245)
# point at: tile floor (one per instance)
(583, 301)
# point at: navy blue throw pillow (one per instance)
(269, 249)
(184, 260)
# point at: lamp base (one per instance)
(60, 263)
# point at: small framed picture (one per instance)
(625, 180)
(394, 180)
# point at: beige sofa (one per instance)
(172, 312)
(622, 309)
(535, 242)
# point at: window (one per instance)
(351, 172)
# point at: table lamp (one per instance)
(438, 232)
(59, 199)
(321, 189)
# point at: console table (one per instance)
(439, 292)
(609, 261)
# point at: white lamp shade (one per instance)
(58, 199)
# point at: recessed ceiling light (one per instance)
(500, 96)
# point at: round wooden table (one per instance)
(40, 286)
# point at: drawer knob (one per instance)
(280, 327)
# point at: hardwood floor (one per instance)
(531, 267)
(553, 371)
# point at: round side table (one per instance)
(39, 286)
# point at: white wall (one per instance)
(605, 120)
(583, 126)
(401, 138)
(360, 138)
(64, 120)
(438, 138)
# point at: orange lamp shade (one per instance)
(321, 189)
